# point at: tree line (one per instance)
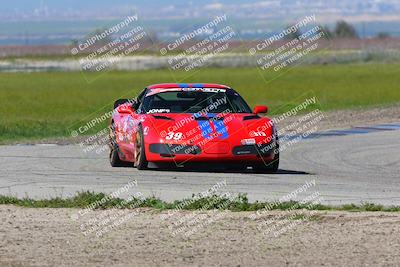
(341, 29)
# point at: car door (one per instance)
(129, 121)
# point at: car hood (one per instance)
(231, 127)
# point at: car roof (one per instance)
(187, 85)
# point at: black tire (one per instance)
(141, 162)
(115, 160)
(271, 167)
(275, 164)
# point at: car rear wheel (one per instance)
(115, 160)
(140, 155)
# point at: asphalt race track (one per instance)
(347, 168)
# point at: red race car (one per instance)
(180, 125)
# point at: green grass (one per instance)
(240, 203)
(42, 105)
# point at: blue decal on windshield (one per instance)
(183, 85)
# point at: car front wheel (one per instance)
(268, 167)
(140, 155)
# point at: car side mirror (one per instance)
(260, 109)
(125, 108)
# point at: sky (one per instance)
(27, 5)
(98, 4)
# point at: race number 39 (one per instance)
(173, 136)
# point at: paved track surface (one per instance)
(353, 168)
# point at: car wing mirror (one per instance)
(260, 109)
(125, 108)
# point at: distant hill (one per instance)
(59, 22)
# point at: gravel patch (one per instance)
(49, 237)
(342, 119)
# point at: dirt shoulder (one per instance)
(53, 237)
(342, 119)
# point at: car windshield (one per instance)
(219, 101)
